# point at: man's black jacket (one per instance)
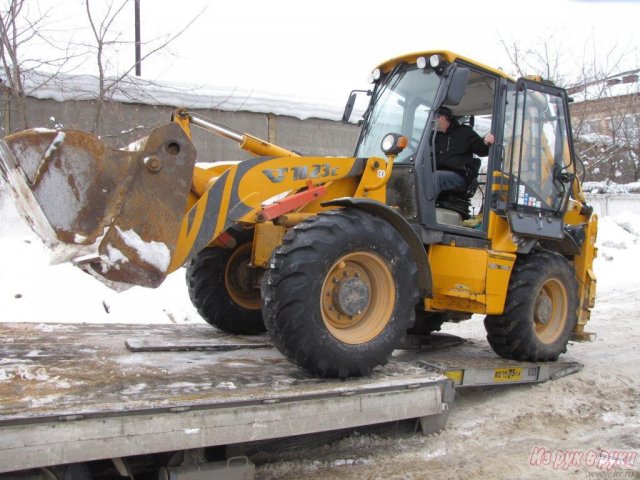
(456, 146)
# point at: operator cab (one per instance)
(404, 101)
(527, 175)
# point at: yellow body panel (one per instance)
(499, 267)
(583, 265)
(500, 234)
(228, 192)
(203, 178)
(229, 199)
(278, 175)
(266, 238)
(375, 176)
(237, 193)
(336, 189)
(469, 279)
(459, 278)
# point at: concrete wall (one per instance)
(613, 204)
(123, 123)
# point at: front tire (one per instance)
(224, 287)
(540, 311)
(340, 293)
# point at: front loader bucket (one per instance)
(116, 213)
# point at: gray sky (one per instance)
(325, 48)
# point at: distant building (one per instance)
(606, 121)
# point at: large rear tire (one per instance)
(340, 293)
(540, 311)
(224, 287)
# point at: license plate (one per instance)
(507, 374)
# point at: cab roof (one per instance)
(446, 55)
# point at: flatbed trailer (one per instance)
(71, 394)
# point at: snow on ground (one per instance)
(31, 290)
(500, 432)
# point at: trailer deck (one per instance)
(75, 393)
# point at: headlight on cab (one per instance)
(393, 144)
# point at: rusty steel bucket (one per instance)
(115, 213)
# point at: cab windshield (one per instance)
(400, 105)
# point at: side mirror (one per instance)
(457, 86)
(356, 102)
(348, 108)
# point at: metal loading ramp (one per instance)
(471, 364)
(76, 393)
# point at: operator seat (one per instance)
(459, 199)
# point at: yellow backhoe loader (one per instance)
(337, 258)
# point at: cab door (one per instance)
(540, 159)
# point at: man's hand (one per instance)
(489, 139)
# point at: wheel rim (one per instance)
(239, 279)
(550, 311)
(358, 297)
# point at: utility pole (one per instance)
(137, 22)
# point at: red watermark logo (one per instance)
(565, 459)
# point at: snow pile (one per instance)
(85, 87)
(619, 251)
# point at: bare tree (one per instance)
(606, 117)
(606, 123)
(543, 57)
(9, 46)
(22, 25)
(106, 39)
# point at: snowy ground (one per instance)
(31, 290)
(492, 433)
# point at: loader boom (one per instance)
(255, 146)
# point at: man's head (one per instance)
(444, 117)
